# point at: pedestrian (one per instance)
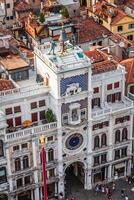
(116, 175)
(102, 189)
(109, 195)
(113, 186)
(72, 198)
(129, 180)
(122, 194)
(133, 178)
(97, 189)
(56, 196)
(106, 189)
(60, 196)
(126, 197)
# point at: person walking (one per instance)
(106, 190)
(60, 196)
(122, 194)
(126, 197)
(97, 189)
(109, 195)
(113, 186)
(103, 189)
(72, 198)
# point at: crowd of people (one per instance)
(108, 191)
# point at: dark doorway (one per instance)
(25, 196)
(103, 173)
(74, 178)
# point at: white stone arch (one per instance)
(87, 173)
(75, 161)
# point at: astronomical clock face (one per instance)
(74, 141)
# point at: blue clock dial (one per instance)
(74, 141)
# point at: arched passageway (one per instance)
(74, 178)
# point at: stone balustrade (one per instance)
(33, 131)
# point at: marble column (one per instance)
(9, 172)
(35, 165)
(88, 183)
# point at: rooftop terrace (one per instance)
(72, 58)
(108, 108)
(23, 89)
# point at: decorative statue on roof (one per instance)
(52, 47)
(73, 40)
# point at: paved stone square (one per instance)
(74, 187)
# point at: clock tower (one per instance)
(69, 72)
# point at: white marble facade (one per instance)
(94, 140)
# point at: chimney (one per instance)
(110, 57)
(108, 50)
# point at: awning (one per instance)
(120, 165)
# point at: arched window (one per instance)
(124, 134)
(25, 162)
(1, 148)
(50, 154)
(96, 142)
(117, 136)
(103, 140)
(17, 164)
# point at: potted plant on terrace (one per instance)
(49, 116)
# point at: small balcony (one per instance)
(23, 91)
(109, 108)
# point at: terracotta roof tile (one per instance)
(6, 84)
(95, 55)
(104, 66)
(130, 3)
(22, 6)
(117, 38)
(100, 61)
(12, 62)
(104, 10)
(120, 15)
(129, 65)
(90, 30)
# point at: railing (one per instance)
(131, 96)
(98, 77)
(22, 92)
(61, 67)
(113, 107)
(31, 131)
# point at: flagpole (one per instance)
(42, 140)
